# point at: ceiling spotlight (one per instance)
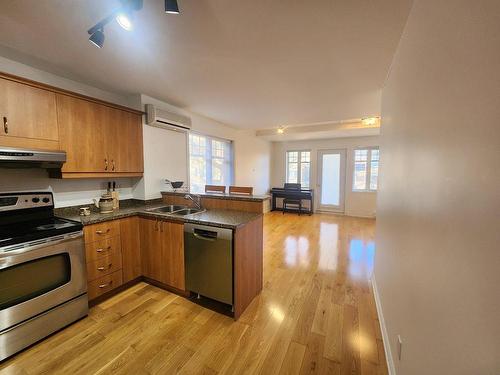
(97, 38)
(280, 130)
(125, 20)
(368, 121)
(171, 6)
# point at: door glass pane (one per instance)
(330, 180)
(28, 280)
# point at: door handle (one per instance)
(105, 285)
(200, 237)
(112, 165)
(5, 125)
(105, 164)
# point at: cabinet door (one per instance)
(129, 153)
(151, 251)
(131, 248)
(29, 112)
(172, 235)
(83, 134)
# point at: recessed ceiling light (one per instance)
(124, 20)
(171, 7)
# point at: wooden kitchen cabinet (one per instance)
(131, 248)
(28, 116)
(150, 248)
(82, 133)
(162, 250)
(172, 238)
(100, 141)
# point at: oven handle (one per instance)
(9, 251)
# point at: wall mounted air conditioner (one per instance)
(166, 120)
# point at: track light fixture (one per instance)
(97, 38)
(123, 17)
(171, 6)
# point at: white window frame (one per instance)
(208, 151)
(368, 169)
(299, 162)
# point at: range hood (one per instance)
(27, 158)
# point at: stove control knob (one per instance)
(46, 200)
(35, 200)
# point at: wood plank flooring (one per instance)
(315, 315)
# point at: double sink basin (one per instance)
(177, 210)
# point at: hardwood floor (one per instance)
(316, 315)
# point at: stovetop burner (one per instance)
(25, 217)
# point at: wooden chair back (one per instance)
(246, 190)
(215, 189)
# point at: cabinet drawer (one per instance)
(104, 284)
(99, 249)
(101, 231)
(104, 266)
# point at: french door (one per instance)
(331, 180)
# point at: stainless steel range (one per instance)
(43, 281)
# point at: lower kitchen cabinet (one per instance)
(104, 284)
(162, 250)
(131, 248)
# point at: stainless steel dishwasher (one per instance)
(208, 255)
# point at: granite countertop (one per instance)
(214, 217)
(234, 197)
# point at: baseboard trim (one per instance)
(383, 328)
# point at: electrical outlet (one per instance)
(400, 347)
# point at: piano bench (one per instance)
(288, 201)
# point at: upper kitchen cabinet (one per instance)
(28, 116)
(100, 140)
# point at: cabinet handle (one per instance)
(104, 268)
(5, 125)
(105, 164)
(102, 232)
(112, 165)
(105, 285)
(101, 249)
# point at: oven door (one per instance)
(40, 276)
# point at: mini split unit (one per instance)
(167, 120)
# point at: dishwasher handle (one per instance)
(205, 235)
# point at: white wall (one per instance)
(437, 264)
(66, 192)
(165, 153)
(356, 203)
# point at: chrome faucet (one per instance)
(197, 200)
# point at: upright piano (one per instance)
(293, 191)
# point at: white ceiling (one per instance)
(250, 64)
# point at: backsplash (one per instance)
(66, 192)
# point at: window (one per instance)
(365, 174)
(298, 167)
(210, 162)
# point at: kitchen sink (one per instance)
(169, 209)
(177, 210)
(187, 211)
